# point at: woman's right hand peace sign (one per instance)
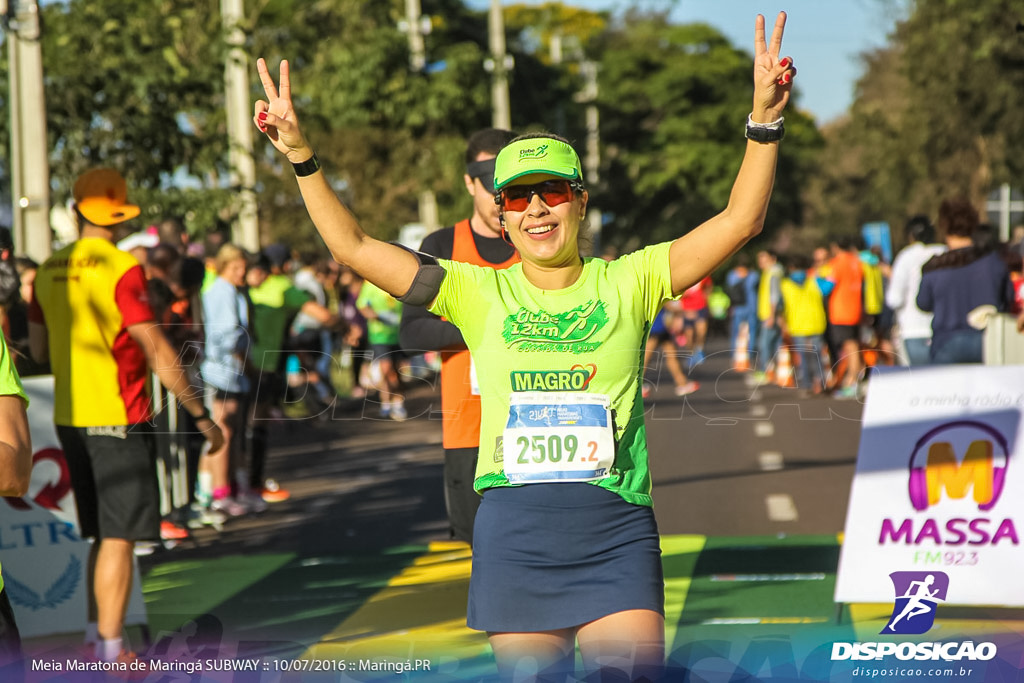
(276, 117)
(773, 76)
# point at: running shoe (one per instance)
(253, 501)
(845, 393)
(229, 506)
(687, 389)
(697, 358)
(169, 531)
(144, 548)
(398, 412)
(273, 493)
(385, 410)
(200, 516)
(645, 392)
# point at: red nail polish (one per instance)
(787, 78)
(785, 62)
(262, 116)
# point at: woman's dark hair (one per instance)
(919, 229)
(958, 217)
(24, 263)
(10, 283)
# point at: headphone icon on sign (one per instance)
(924, 493)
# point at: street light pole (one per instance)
(414, 29)
(30, 168)
(239, 119)
(499, 64)
(592, 151)
(415, 26)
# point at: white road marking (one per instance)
(759, 410)
(781, 507)
(764, 428)
(770, 461)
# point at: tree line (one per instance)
(139, 86)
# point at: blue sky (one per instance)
(824, 37)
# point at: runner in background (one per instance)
(769, 299)
(741, 284)
(845, 310)
(556, 338)
(694, 305)
(803, 305)
(91, 317)
(275, 302)
(666, 331)
(383, 313)
(476, 240)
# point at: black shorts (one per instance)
(838, 334)
(269, 389)
(113, 476)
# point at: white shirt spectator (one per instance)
(903, 286)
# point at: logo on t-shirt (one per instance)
(572, 331)
(575, 378)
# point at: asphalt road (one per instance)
(731, 459)
(737, 459)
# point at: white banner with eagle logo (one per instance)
(43, 557)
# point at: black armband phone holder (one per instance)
(427, 283)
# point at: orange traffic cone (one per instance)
(784, 368)
(740, 355)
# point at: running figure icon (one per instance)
(920, 600)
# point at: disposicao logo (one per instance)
(913, 613)
(917, 594)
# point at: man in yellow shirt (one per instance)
(91, 318)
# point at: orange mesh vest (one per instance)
(460, 407)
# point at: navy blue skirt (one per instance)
(554, 556)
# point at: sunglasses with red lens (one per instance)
(551, 192)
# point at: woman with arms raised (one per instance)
(566, 545)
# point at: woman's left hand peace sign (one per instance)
(276, 117)
(773, 77)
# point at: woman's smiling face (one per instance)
(545, 234)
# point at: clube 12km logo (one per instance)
(916, 598)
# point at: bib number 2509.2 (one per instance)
(558, 437)
(553, 448)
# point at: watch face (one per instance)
(765, 134)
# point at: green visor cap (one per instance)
(536, 155)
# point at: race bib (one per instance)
(558, 437)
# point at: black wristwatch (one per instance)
(765, 132)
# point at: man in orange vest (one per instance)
(477, 240)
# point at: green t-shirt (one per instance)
(588, 337)
(274, 303)
(10, 385)
(384, 330)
